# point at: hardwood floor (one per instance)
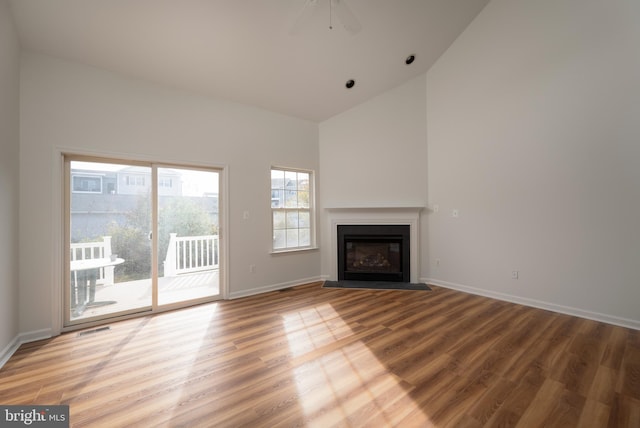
(310, 356)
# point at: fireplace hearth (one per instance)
(374, 252)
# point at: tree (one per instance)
(131, 241)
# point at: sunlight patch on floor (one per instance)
(327, 392)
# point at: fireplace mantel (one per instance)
(409, 215)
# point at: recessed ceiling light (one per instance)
(410, 59)
(350, 83)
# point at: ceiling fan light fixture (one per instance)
(410, 59)
(350, 83)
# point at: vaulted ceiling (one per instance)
(279, 55)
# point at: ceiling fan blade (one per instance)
(304, 16)
(344, 14)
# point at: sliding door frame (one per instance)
(61, 240)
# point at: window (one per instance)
(291, 209)
(134, 180)
(87, 184)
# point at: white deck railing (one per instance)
(191, 254)
(95, 250)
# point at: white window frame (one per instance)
(283, 209)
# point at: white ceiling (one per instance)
(243, 50)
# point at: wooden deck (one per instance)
(318, 357)
(129, 295)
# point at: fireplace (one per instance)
(370, 252)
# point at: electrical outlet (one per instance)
(252, 268)
(436, 208)
(455, 213)
(514, 274)
(437, 262)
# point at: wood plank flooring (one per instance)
(318, 357)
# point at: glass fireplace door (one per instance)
(374, 252)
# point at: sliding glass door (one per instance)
(140, 238)
(188, 240)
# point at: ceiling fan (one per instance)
(337, 8)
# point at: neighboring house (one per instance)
(285, 189)
(100, 198)
(127, 181)
(136, 180)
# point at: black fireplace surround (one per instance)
(370, 252)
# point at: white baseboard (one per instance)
(568, 310)
(32, 336)
(20, 339)
(272, 287)
(9, 350)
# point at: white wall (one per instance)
(375, 155)
(9, 185)
(534, 136)
(67, 106)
